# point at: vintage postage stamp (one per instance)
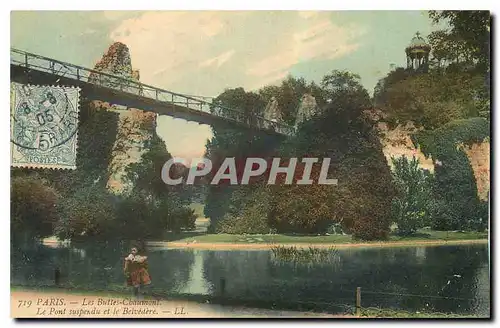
(44, 126)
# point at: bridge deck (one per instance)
(35, 69)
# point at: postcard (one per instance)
(250, 164)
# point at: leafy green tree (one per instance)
(90, 213)
(289, 95)
(248, 211)
(156, 206)
(234, 142)
(393, 77)
(144, 176)
(303, 208)
(468, 36)
(457, 205)
(457, 85)
(432, 100)
(33, 208)
(465, 46)
(345, 91)
(141, 218)
(411, 207)
(341, 132)
(361, 199)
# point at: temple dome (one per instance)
(418, 44)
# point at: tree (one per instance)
(432, 100)
(469, 34)
(288, 96)
(344, 90)
(157, 207)
(392, 78)
(238, 104)
(90, 213)
(33, 207)
(303, 208)
(457, 85)
(457, 205)
(237, 143)
(248, 211)
(341, 132)
(410, 209)
(144, 176)
(448, 49)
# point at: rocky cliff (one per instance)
(135, 127)
(272, 111)
(396, 142)
(307, 109)
(479, 158)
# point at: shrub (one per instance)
(33, 207)
(252, 219)
(410, 209)
(304, 255)
(457, 205)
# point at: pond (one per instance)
(450, 279)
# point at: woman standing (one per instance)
(136, 271)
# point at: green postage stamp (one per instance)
(44, 126)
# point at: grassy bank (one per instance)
(421, 238)
(197, 239)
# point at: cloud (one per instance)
(205, 52)
(272, 64)
(168, 41)
(271, 79)
(307, 14)
(218, 60)
(117, 15)
(320, 40)
(245, 48)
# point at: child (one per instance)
(136, 271)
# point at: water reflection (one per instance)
(451, 278)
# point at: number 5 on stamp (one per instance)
(44, 126)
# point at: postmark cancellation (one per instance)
(44, 126)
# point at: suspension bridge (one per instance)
(31, 68)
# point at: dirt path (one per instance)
(40, 304)
(234, 246)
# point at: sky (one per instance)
(205, 52)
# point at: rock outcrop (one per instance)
(272, 111)
(307, 109)
(479, 158)
(135, 127)
(116, 61)
(396, 143)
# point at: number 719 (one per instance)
(24, 303)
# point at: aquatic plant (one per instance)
(304, 255)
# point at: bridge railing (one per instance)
(122, 84)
